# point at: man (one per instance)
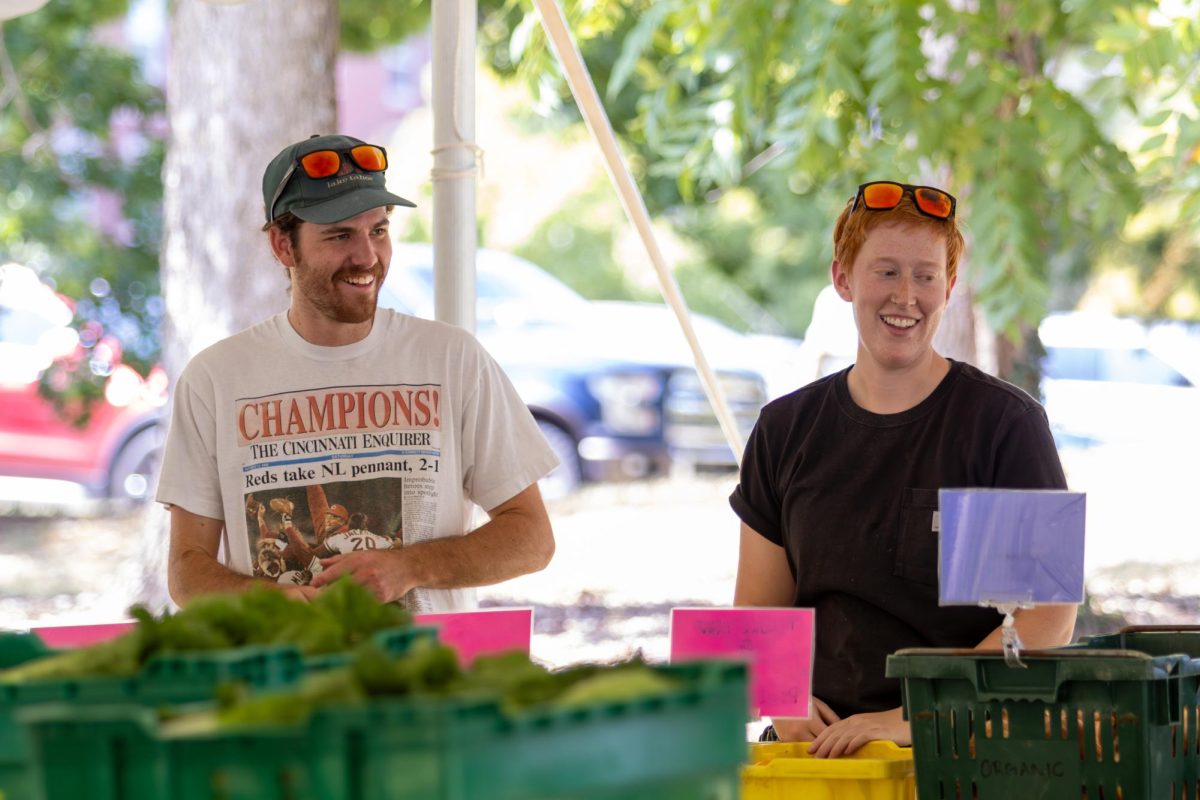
(839, 481)
(406, 421)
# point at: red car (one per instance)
(45, 460)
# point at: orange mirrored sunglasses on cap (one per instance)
(884, 195)
(324, 163)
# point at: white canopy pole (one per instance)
(454, 151)
(635, 207)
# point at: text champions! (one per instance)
(338, 410)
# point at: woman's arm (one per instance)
(763, 575)
(1051, 625)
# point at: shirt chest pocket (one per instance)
(917, 543)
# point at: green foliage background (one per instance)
(748, 124)
(1053, 122)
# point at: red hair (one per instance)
(853, 227)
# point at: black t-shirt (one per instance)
(850, 496)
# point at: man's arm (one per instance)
(516, 540)
(192, 566)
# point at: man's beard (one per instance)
(322, 293)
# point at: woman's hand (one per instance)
(845, 736)
(792, 729)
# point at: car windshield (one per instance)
(1130, 365)
(507, 289)
(28, 308)
(22, 326)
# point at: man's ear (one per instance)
(281, 246)
(841, 281)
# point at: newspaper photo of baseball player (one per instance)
(293, 528)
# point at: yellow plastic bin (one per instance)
(784, 771)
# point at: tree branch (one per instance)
(12, 83)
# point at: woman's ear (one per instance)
(841, 281)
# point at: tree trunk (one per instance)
(243, 81)
(1019, 362)
(955, 337)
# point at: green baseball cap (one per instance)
(286, 187)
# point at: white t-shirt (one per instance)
(305, 450)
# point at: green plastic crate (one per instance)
(608, 750)
(1155, 640)
(165, 680)
(688, 744)
(18, 647)
(1076, 722)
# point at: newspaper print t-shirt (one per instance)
(270, 433)
(330, 471)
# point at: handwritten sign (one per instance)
(777, 644)
(485, 632)
(66, 636)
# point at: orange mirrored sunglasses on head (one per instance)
(885, 195)
(324, 163)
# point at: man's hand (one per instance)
(791, 729)
(304, 594)
(388, 574)
(845, 736)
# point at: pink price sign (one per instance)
(67, 636)
(486, 632)
(776, 643)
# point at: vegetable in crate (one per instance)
(431, 669)
(357, 611)
(616, 685)
(116, 657)
(340, 617)
(522, 683)
(427, 668)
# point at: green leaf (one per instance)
(1159, 118)
(1153, 143)
(637, 42)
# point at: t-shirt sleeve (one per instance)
(503, 450)
(1026, 457)
(189, 477)
(755, 499)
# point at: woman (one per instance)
(839, 481)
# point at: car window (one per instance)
(28, 308)
(503, 287)
(1071, 364)
(22, 326)
(510, 285)
(1139, 366)
(1125, 365)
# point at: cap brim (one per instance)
(348, 205)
